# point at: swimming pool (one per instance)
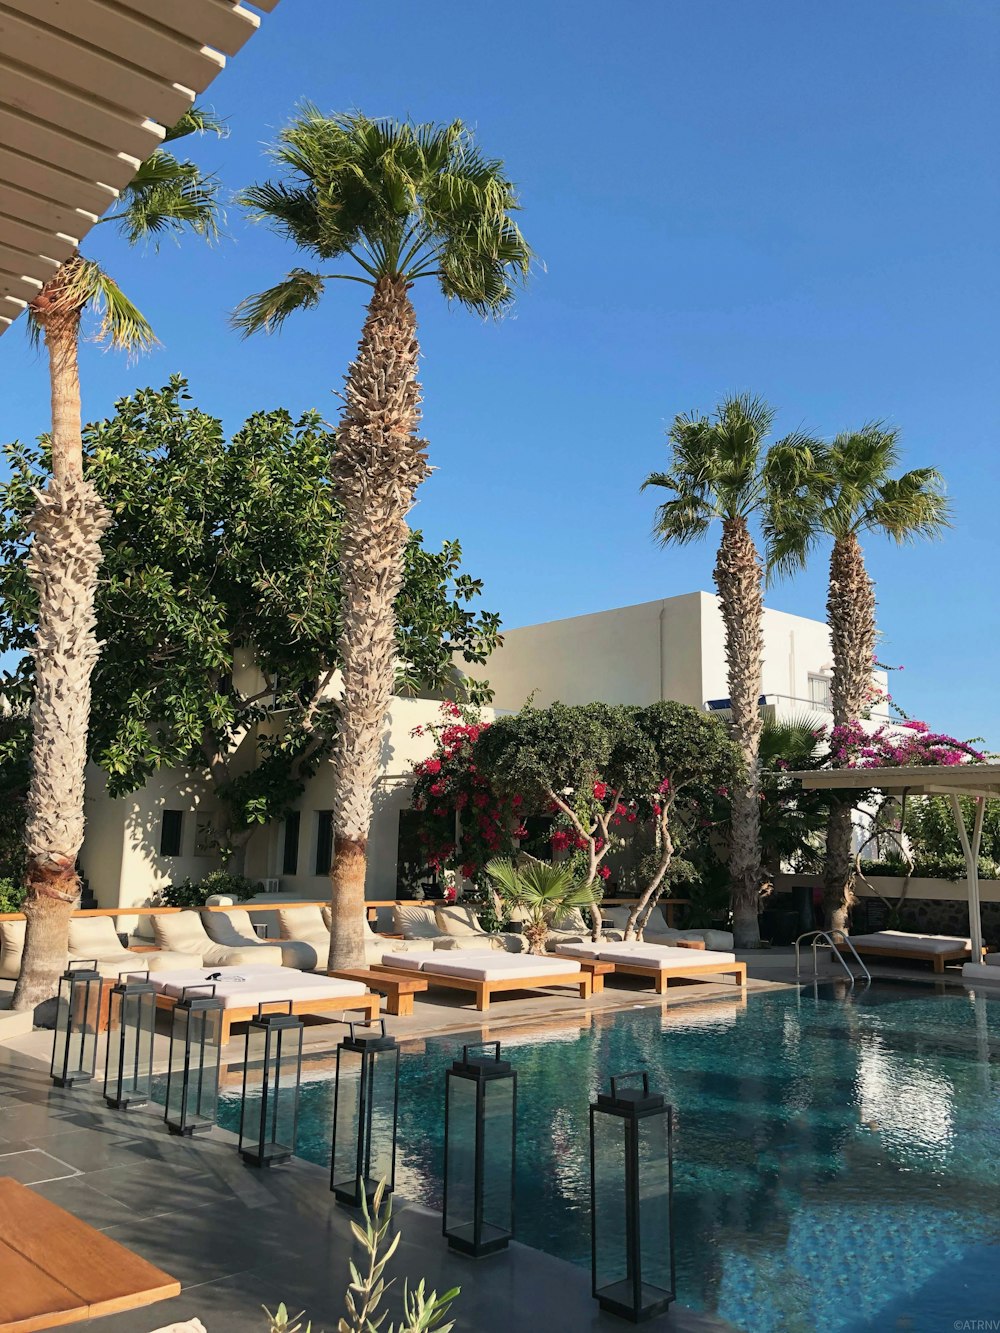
(837, 1155)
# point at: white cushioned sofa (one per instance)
(183, 932)
(233, 929)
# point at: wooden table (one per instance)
(398, 988)
(55, 1269)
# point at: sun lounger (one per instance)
(935, 949)
(183, 932)
(242, 989)
(233, 929)
(491, 973)
(661, 963)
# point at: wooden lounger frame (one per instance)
(693, 971)
(330, 1009)
(485, 990)
(963, 954)
(397, 986)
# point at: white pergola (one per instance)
(87, 91)
(980, 781)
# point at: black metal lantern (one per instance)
(631, 1199)
(274, 1056)
(193, 1073)
(128, 1068)
(365, 1108)
(78, 1015)
(480, 1124)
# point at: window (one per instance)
(170, 832)
(412, 870)
(324, 841)
(290, 850)
(819, 691)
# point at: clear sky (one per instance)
(797, 199)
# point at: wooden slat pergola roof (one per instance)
(87, 89)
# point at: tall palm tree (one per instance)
(165, 196)
(844, 490)
(717, 471)
(400, 202)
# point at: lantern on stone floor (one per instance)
(78, 1015)
(273, 1062)
(128, 1067)
(365, 1110)
(480, 1124)
(193, 1073)
(631, 1199)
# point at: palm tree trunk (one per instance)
(850, 607)
(739, 580)
(63, 565)
(378, 464)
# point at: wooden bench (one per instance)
(398, 988)
(55, 1269)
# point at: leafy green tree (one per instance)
(166, 195)
(718, 472)
(400, 202)
(845, 490)
(219, 604)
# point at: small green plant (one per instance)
(422, 1311)
(11, 896)
(545, 893)
(189, 893)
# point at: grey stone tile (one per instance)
(33, 1165)
(216, 1241)
(151, 1190)
(83, 1201)
(24, 1120)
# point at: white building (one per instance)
(668, 649)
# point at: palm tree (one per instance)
(165, 196)
(717, 471)
(843, 490)
(400, 202)
(545, 893)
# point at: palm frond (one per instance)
(269, 309)
(197, 120)
(168, 196)
(121, 324)
(911, 506)
(797, 487)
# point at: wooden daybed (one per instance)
(934, 949)
(661, 963)
(490, 972)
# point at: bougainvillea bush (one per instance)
(579, 785)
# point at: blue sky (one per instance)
(801, 200)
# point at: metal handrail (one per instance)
(827, 937)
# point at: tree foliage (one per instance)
(222, 553)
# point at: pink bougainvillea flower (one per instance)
(600, 791)
(605, 872)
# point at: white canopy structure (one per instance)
(87, 91)
(979, 781)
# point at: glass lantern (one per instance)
(128, 1068)
(480, 1124)
(631, 1199)
(78, 1018)
(273, 1062)
(193, 1074)
(365, 1109)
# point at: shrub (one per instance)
(11, 895)
(189, 893)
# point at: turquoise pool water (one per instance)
(837, 1155)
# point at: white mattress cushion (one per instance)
(493, 967)
(660, 956)
(581, 950)
(905, 942)
(244, 988)
(409, 962)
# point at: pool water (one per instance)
(836, 1154)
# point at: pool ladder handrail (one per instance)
(827, 937)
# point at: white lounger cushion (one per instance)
(484, 966)
(245, 988)
(906, 943)
(183, 932)
(646, 955)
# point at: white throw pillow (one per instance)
(459, 921)
(94, 937)
(415, 923)
(11, 948)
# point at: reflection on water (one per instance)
(837, 1156)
